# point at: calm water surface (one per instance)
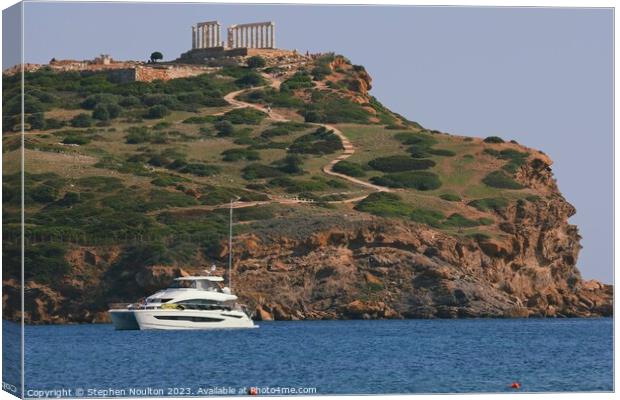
(412, 356)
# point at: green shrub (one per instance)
(157, 111)
(492, 203)
(450, 197)
(101, 113)
(291, 164)
(260, 171)
(224, 128)
(137, 134)
(45, 262)
(100, 98)
(420, 180)
(441, 152)
(256, 62)
(53, 123)
(129, 101)
(384, 204)
(198, 119)
(331, 108)
(81, 121)
(533, 198)
(299, 185)
(300, 80)
(491, 152)
(168, 180)
(43, 193)
(158, 199)
(516, 159)
(36, 121)
(485, 221)
(457, 220)
(494, 139)
(427, 216)
(106, 111)
(321, 141)
(349, 168)
(240, 154)
(313, 116)
(273, 97)
(320, 71)
(400, 163)
(199, 169)
(412, 138)
(75, 139)
(498, 179)
(276, 131)
(248, 116)
(250, 79)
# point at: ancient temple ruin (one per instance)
(259, 35)
(242, 40)
(206, 35)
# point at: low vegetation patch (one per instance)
(240, 154)
(385, 205)
(319, 142)
(247, 116)
(499, 179)
(450, 197)
(489, 204)
(260, 171)
(274, 98)
(420, 180)
(330, 108)
(400, 163)
(391, 205)
(349, 168)
(300, 80)
(457, 220)
(493, 139)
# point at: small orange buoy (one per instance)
(515, 385)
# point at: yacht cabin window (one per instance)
(201, 284)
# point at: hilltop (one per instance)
(344, 209)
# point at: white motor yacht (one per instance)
(192, 302)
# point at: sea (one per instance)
(315, 357)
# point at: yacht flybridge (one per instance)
(191, 302)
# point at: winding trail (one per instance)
(328, 169)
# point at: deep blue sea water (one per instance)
(401, 356)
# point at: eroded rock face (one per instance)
(401, 270)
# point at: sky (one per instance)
(540, 76)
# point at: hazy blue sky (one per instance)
(540, 76)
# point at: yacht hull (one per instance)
(124, 320)
(165, 319)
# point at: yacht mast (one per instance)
(230, 246)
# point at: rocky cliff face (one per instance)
(377, 269)
(366, 267)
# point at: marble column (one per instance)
(193, 37)
(272, 41)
